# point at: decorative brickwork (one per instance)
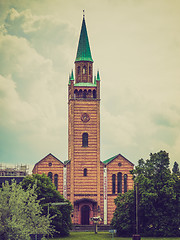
(84, 179)
(51, 164)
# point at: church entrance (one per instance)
(85, 214)
(84, 210)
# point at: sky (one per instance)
(135, 45)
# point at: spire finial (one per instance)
(83, 13)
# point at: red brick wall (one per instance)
(43, 166)
(113, 168)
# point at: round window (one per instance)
(50, 164)
(119, 164)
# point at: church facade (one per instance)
(91, 185)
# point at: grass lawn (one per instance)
(102, 235)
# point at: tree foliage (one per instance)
(21, 213)
(47, 193)
(175, 168)
(159, 200)
(123, 219)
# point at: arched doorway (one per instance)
(85, 212)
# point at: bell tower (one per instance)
(84, 134)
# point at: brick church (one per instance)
(90, 184)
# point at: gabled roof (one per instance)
(83, 52)
(112, 158)
(46, 157)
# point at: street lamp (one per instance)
(95, 221)
(136, 236)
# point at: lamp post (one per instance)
(95, 221)
(136, 236)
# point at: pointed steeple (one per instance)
(72, 76)
(98, 77)
(83, 52)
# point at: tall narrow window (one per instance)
(89, 94)
(113, 184)
(76, 93)
(85, 94)
(85, 172)
(119, 182)
(80, 93)
(56, 181)
(84, 69)
(78, 70)
(85, 140)
(94, 93)
(90, 70)
(125, 182)
(50, 175)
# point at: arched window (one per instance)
(113, 184)
(85, 172)
(119, 182)
(85, 140)
(85, 94)
(78, 70)
(76, 93)
(89, 94)
(50, 175)
(84, 69)
(125, 182)
(94, 93)
(80, 93)
(56, 181)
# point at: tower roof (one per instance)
(83, 52)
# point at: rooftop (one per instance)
(83, 52)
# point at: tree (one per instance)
(175, 168)
(47, 193)
(123, 220)
(21, 213)
(159, 194)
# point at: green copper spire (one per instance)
(98, 77)
(83, 52)
(72, 76)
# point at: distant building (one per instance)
(8, 173)
(90, 184)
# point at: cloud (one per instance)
(31, 93)
(13, 110)
(42, 32)
(135, 45)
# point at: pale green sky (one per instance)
(135, 44)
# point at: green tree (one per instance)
(47, 193)
(21, 213)
(159, 194)
(123, 220)
(175, 168)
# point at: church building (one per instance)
(89, 183)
